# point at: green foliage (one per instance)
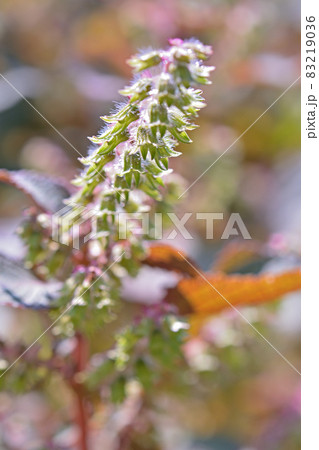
(144, 352)
(124, 173)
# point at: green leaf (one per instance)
(144, 373)
(181, 136)
(118, 390)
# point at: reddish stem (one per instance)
(80, 356)
(82, 421)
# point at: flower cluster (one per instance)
(133, 150)
(124, 173)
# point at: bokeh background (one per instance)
(69, 60)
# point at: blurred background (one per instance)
(69, 60)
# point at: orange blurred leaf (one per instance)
(212, 293)
(166, 257)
